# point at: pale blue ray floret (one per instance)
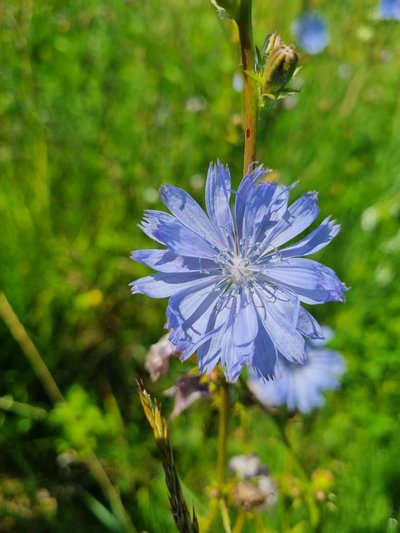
(234, 293)
(389, 9)
(300, 387)
(311, 32)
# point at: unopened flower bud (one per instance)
(280, 65)
(259, 494)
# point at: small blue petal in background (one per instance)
(389, 9)
(311, 32)
(300, 387)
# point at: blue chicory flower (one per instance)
(311, 32)
(235, 294)
(301, 386)
(389, 9)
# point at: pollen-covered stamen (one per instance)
(235, 267)
(238, 270)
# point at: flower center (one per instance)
(238, 270)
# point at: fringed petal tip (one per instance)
(338, 294)
(261, 377)
(133, 287)
(232, 374)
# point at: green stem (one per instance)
(111, 493)
(7, 403)
(240, 522)
(311, 504)
(223, 423)
(285, 439)
(19, 333)
(222, 432)
(245, 26)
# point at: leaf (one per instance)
(254, 77)
(103, 515)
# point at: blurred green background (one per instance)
(102, 101)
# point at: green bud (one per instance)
(280, 64)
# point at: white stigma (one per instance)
(238, 271)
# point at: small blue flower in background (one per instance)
(301, 386)
(235, 294)
(311, 32)
(389, 9)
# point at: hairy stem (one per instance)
(245, 26)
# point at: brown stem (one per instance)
(245, 26)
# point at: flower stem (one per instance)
(19, 333)
(245, 26)
(302, 470)
(223, 423)
(310, 502)
(240, 522)
(222, 432)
